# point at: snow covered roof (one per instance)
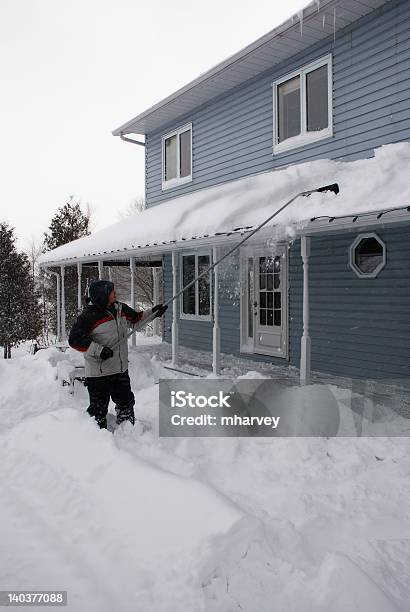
(317, 21)
(367, 185)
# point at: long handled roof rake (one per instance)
(334, 187)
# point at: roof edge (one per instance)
(288, 24)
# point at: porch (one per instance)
(354, 393)
(234, 213)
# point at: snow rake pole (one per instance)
(334, 187)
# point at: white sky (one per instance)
(71, 72)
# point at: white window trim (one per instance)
(195, 317)
(247, 343)
(176, 182)
(305, 137)
(352, 263)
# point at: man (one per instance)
(100, 332)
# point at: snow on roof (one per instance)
(373, 184)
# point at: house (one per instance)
(312, 102)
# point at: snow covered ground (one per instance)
(131, 522)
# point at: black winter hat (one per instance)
(99, 291)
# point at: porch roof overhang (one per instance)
(374, 218)
(316, 22)
(223, 213)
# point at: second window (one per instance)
(177, 157)
(302, 104)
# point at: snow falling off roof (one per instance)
(376, 183)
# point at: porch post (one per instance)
(132, 293)
(63, 330)
(58, 306)
(305, 347)
(216, 332)
(100, 269)
(155, 298)
(79, 296)
(174, 308)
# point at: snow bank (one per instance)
(370, 184)
(27, 386)
(134, 522)
(78, 513)
(248, 556)
(326, 527)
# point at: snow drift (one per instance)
(134, 522)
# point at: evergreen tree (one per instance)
(20, 314)
(69, 223)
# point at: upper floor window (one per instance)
(177, 157)
(302, 106)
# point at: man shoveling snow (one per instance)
(100, 332)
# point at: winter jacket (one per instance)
(97, 327)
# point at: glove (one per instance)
(159, 310)
(106, 353)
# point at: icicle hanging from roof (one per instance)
(300, 15)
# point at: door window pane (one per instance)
(188, 274)
(288, 109)
(204, 294)
(317, 99)
(185, 153)
(170, 158)
(270, 296)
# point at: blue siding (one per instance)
(360, 328)
(232, 137)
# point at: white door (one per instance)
(264, 304)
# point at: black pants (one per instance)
(118, 388)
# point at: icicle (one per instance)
(323, 21)
(334, 24)
(300, 15)
(292, 19)
(317, 2)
